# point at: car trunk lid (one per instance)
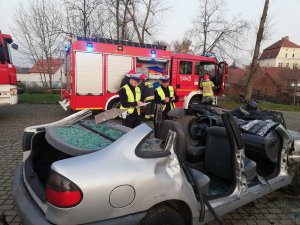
(61, 142)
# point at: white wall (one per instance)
(34, 79)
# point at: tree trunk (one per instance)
(117, 18)
(84, 19)
(254, 64)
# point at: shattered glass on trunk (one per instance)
(83, 138)
(104, 129)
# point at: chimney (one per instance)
(285, 38)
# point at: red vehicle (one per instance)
(95, 68)
(8, 79)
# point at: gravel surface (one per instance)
(275, 208)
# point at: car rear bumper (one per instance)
(30, 214)
(27, 209)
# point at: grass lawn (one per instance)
(26, 98)
(265, 106)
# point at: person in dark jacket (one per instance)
(165, 98)
(131, 99)
(147, 90)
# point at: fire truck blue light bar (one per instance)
(89, 47)
(153, 54)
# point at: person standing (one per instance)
(130, 97)
(165, 96)
(147, 90)
(207, 90)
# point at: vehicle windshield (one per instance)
(204, 68)
(7, 50)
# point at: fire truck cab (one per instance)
(8, 80)
(96, 67)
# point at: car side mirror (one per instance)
(14, 46)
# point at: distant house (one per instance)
(271, 84)
(232, 84)
(35, 76)
(283, 53)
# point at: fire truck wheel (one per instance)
(115, 103)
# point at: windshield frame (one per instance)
(7, 50)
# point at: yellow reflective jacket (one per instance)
(130, 98)
(162, 95)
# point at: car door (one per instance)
(220, 78)
(185, 74)
(237, 143)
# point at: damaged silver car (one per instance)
(75, 171)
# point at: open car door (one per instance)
(219, 80)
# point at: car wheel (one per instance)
(294, 188)
(163, 215)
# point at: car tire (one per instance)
(294, 188)
(162, 215)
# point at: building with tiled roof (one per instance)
(283, 53)
(43, 69)
(272, 83)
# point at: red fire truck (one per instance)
(8, 79)
(95, 68)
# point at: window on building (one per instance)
(186, 67)
(279, 64)
(293, 55)
(287, 65)
(295, 66)
(285, 55)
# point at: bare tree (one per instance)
(144, 16)
(184, 46)
(214, 32)
(259, 38)
(84, 17)
(37, 29)
(119, 27)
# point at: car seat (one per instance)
(180, 149)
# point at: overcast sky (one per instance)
(284, 15)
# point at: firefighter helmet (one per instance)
(206, 77)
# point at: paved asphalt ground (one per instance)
(275, 208)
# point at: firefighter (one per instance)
(126, 78)
(165, 96)
(130, 97)
(207, 90)
(147, 90)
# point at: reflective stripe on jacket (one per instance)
(207, 88)
(162, 95)
(130, 98)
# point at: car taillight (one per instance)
(62, 192)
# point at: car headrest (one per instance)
(181, 145)
(176, 113)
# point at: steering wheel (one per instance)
(198, 126)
